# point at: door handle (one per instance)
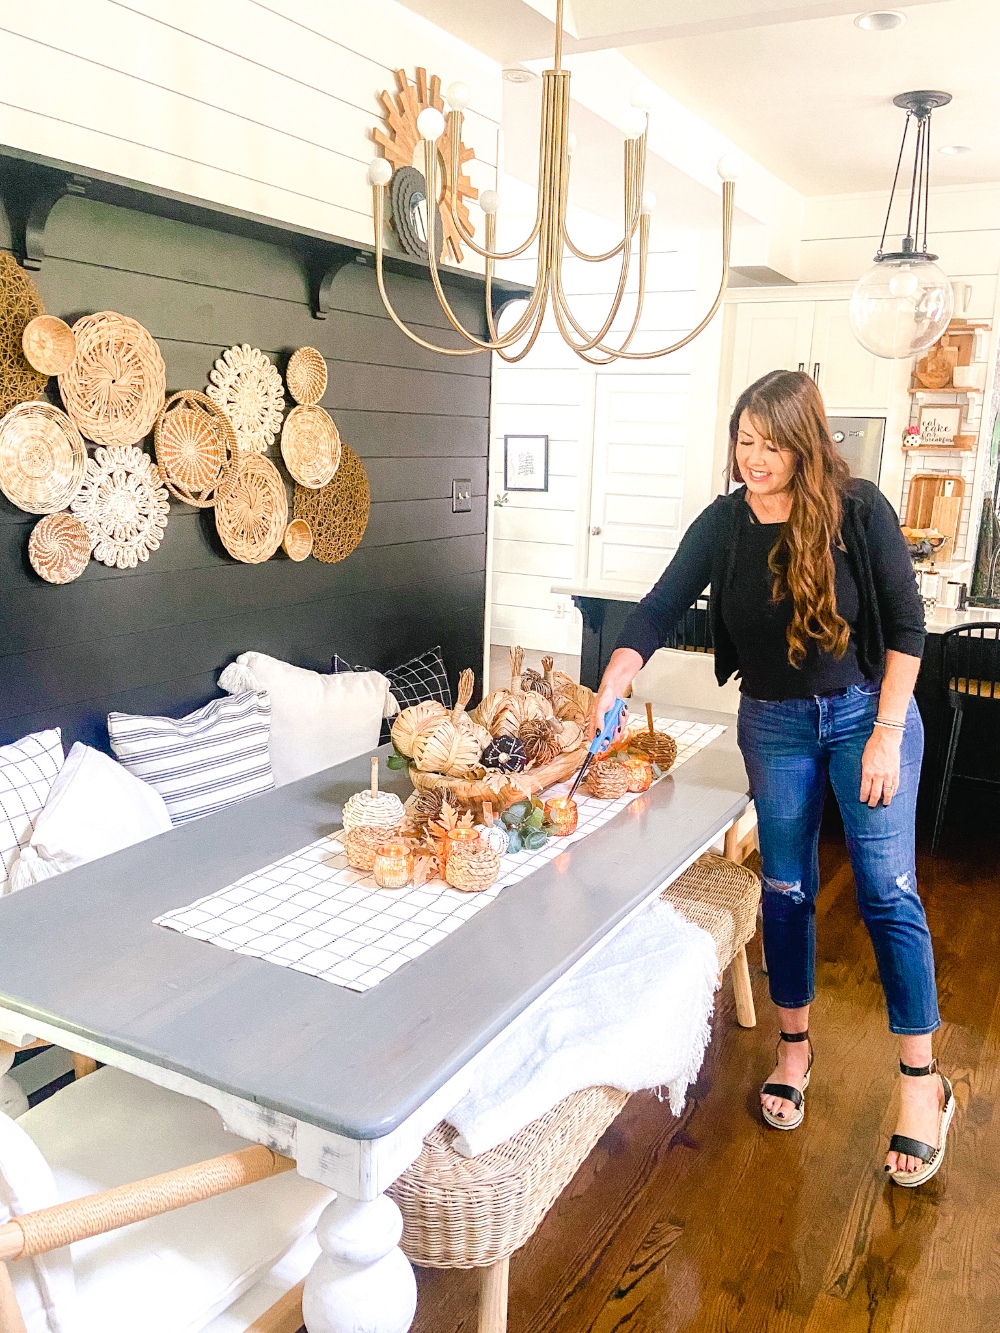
(802, 365)
(816, 371)
(595, 531)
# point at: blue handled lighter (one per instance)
(612, 721)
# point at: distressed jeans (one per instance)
(790, 747)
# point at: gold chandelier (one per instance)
(549, 229)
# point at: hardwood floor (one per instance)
(713, 1224)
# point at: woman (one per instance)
(815, 605)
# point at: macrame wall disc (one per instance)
(306, 376)
(42, 458)
(310, 446)
(251, 513)
(338, 513)
(59, 548)
(248, 388)
(20, 303)
(195, 448)
(116, 382)
(123, 504)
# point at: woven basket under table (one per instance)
(470, 1212)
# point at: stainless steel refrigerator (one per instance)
(860, 440)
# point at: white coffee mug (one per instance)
(962, 292)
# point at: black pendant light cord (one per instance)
(892, 192)
(918, 106)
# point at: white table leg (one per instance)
(362, 1282)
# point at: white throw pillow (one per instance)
(200, 763)
(28, 769)
(318, 720)
(95, 807)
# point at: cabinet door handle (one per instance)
(816, 371)
(802, 365)
(595, 531)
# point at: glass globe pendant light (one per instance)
(905, 302)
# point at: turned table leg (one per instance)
(362, 1282)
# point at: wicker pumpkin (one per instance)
(571, 735)
(570, 701)
(535, 682)
(451, 745)
(540, 739)
(411, 720)
(373, 808)
(608, 780)
(655, 745)
(472, 867)
(362, 844)
(503, 712)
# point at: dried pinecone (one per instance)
(424, 807)
(541, 742)
(533, 682)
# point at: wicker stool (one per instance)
(474, 1212)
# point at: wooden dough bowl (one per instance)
(530, 782)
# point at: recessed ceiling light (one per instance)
(954, 149)
(517, 74)
(880, 20)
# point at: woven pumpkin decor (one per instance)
(656, 745)
(248, 388)
(571, 735)
(123, 505)
(195, 448)
(535, 682)
(59, 548)
(338, 512)
(115, 384)
(251, 514)
(20, 303)
(503, 712)
(42, 458)
(607, 780)
(450, 746)
(472, 867)
(374, 808)
(361, 845)
(540, 739)
(413, 719)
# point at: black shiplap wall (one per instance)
(154, 639)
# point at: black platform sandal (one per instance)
(786, 1091)
(930, 1156)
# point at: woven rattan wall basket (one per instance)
(248, 388)
(306, 376)
(59, 548)
(123, 504)
(116, 382)
(49, 344)
(42, 458)
(195, 448)
(338, 513)
(298, 540)
(251, 514)
(310, 446)
(20, 303)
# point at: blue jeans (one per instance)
(790, 747)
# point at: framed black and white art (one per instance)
(526, 462)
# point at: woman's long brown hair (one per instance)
(787, 409)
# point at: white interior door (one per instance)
(770, 335)
(849, 377)
(640, 425)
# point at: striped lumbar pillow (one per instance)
(213, 757)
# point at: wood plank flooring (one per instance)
(712, 1224)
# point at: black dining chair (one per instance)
(970, 668)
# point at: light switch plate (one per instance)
(461, 495)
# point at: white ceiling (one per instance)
(802, 90)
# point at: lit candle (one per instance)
(457, 837)
(393, 867)
(640, 772)
(562, 814)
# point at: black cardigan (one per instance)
(891, 612)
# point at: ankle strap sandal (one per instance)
(931, 1156)
(787, 1091)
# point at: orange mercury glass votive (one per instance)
(562, 814)
(457, 837)
(640, 772)
(393, 867)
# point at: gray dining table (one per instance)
(346, 1083)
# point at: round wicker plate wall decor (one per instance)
(248, 388)
(195, 448)
(20, 303)
(310, 446)
(338, 513)
(123, 504)
(42, 458)
(49, 344)
(59, 548)
(306, 376)
(298, 540)
(115, 384)
(252, 512)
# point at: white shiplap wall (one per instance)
(265, 107)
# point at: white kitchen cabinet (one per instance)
(770, 335)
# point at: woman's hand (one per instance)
(622, 669)
(880, 767)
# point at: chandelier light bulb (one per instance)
(379, 171)
(489, 201)
(643, 95)
(634, 123)
(648, 202)
(457, 96)
(730, 166)
(570, 144)
(904, 282)
(430, 124)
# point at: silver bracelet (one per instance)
(890, 726)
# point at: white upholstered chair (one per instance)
(685, 677)
(230, 1263)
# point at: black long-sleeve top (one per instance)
(876, 591)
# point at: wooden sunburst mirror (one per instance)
(400, 142)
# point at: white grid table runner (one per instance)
(310, 911)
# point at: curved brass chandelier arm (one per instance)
(635, 165)
(563, 312)
(512, 357)
(455, 119)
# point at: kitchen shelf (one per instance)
(948, 388)
(940, 449)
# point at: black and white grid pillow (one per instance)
(414, 682)
(28, 768)
(212, 758)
